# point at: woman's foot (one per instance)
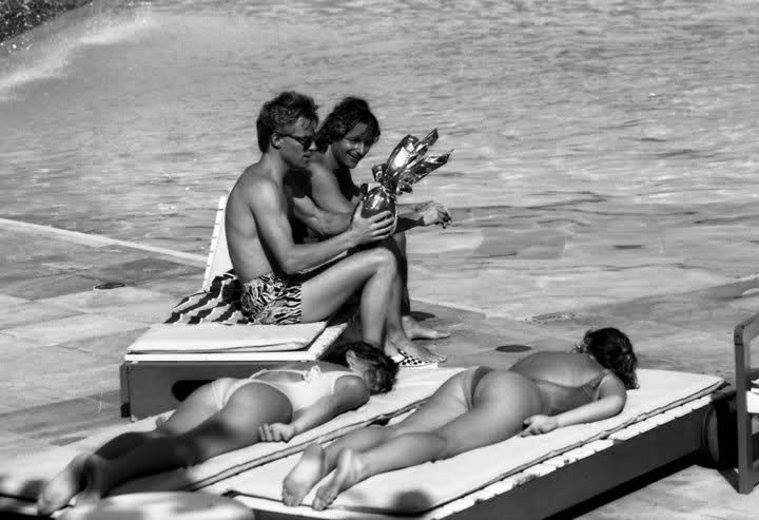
(62, 488)
(415, 330)
(350, 470)
(304, 476)
(400, 343)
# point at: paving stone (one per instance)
(136, 271)
(94, 299)
(127, 303)
(57, 422)
(30, 312)
(16, 445)
(72, 328)
(46, 286)
(176, 286)
(108, 348)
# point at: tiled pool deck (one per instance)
(61, 343)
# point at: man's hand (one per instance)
(371, 229)
(276, 432)
(433, 213)
(537, 424)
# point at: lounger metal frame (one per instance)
(745, 332)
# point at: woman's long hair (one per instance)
(613, 350)
(347, 114)
(384, 368)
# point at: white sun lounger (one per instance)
(168, 361)
(22, 476)
(531, 477)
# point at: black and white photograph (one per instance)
(379, 259)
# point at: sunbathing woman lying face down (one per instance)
(475, 408)
(272, 405)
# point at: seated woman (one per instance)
(227, 414)
(475, 408)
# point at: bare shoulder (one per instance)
(318, 165)
(320, 171)
(612, 385)
(254, 185)
(353, 384)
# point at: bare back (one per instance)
(561, 368)
(249, 255)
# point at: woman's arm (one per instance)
(425, 214)
(325, 190)
(323, 222)
(611, 399)
(350, 393)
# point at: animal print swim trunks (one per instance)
(272, 299)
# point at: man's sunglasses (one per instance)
(305, 140)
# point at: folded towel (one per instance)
(220, 303)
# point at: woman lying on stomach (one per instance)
(475, 408)
(227, 414)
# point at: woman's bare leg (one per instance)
(396, 334)
(445, 404)
(491, 419)
(234, 426)
(374, 269)
(413, 329)
(198, 407)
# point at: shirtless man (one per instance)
(270, 265)
(343, 140)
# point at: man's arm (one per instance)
(270, 212)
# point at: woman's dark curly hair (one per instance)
(613, 350)
(384, 368)
(347, 113)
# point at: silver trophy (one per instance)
(408, 164)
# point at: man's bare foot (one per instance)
(62, 488)
(349, 471)
(399, 342)
(415, 330)
(307, 472)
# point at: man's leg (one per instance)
(413, 328)
(374, 270)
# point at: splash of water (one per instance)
(30, 62)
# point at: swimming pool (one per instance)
(598, 144)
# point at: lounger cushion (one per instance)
(215, 337)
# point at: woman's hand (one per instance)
(433, 213)
(276, 432)
(537, 424)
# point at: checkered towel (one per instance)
(219, 304)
